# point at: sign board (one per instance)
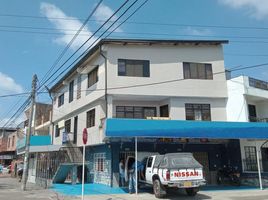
(85, 135)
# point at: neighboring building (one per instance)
(248, 102)
(40, 142)
(7, 145)
(180, 80)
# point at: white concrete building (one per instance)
(248, 102)
(147, 74)
(182, 80)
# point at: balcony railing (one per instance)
(251, 165)
(257, 119)
(258, 83)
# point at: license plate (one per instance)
(187, 184)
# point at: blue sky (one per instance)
(25, 52)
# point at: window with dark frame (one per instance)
(164, 112)
(71, 91)
(92, 77)
(57, 131)
(250, 158)
(13, 140)
(67, 126)
(135, 68)
(136, 112)
(197, 71)
(91, 118)
(78, 92)
(61, 100)
(198, 112)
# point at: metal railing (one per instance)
(258, 83)
(251, 165)
(257, 119)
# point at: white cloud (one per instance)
(197, 32)
(53, 14)
(103, 13)
(255, 8)
(8, 85)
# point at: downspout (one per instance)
(51, 115)
(105, 89)
(106, 109)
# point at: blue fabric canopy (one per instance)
(185, 129)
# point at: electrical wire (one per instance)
(71, 42)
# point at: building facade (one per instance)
(140, 79)
(248, 102)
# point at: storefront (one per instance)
(213, 144)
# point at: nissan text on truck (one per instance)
(169, 171)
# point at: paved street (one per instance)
(10, 190)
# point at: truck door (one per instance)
(149, 170)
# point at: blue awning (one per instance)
(185, 129)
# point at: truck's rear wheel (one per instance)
(191, 191)
(159, 190)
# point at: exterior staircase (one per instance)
(71, 158)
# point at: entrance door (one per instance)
(202, 158)
(75, 129)
(149, 170)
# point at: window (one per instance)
(67, 126)
(13, 140)
(164, 111)
(99, 162)
(71, 91)
(91, 118)
(252, 113)
(251, 158)
(137, 68)
(8, 145)
(135, 112)
(78, 93)
(197, 71)
(197, 112)
(61, 100)
(92, 77)
(150, 162)
(57, 131)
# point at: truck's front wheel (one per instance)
(191, 191)
(159, 190)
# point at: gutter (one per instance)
(105, 90)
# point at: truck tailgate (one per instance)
(186, 174)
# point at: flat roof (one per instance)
(134, 42)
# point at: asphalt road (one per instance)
(10, 190)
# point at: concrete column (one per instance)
(74, 175)
(110, 106)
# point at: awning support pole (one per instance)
(136, 164)
(259, 169)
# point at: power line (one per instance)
(90, 38)
(71, 42)
(142, 23)
(13, 95)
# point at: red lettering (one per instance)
(187, 174)
(195, 173)
(183, 174)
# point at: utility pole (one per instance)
(28, 135)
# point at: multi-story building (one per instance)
(248, 102)
(139, 79)
(7, 144)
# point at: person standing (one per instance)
(132, 175)
(121, 173)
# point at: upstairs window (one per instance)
(61, 100)
(71, 91)
(57, 131)
(92, 77)
(197, 112)
(78, 92)
(91, 118)
(197, 71)
(135, 112)
(136, 68)
(67, 126)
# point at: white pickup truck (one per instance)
(171, 171)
